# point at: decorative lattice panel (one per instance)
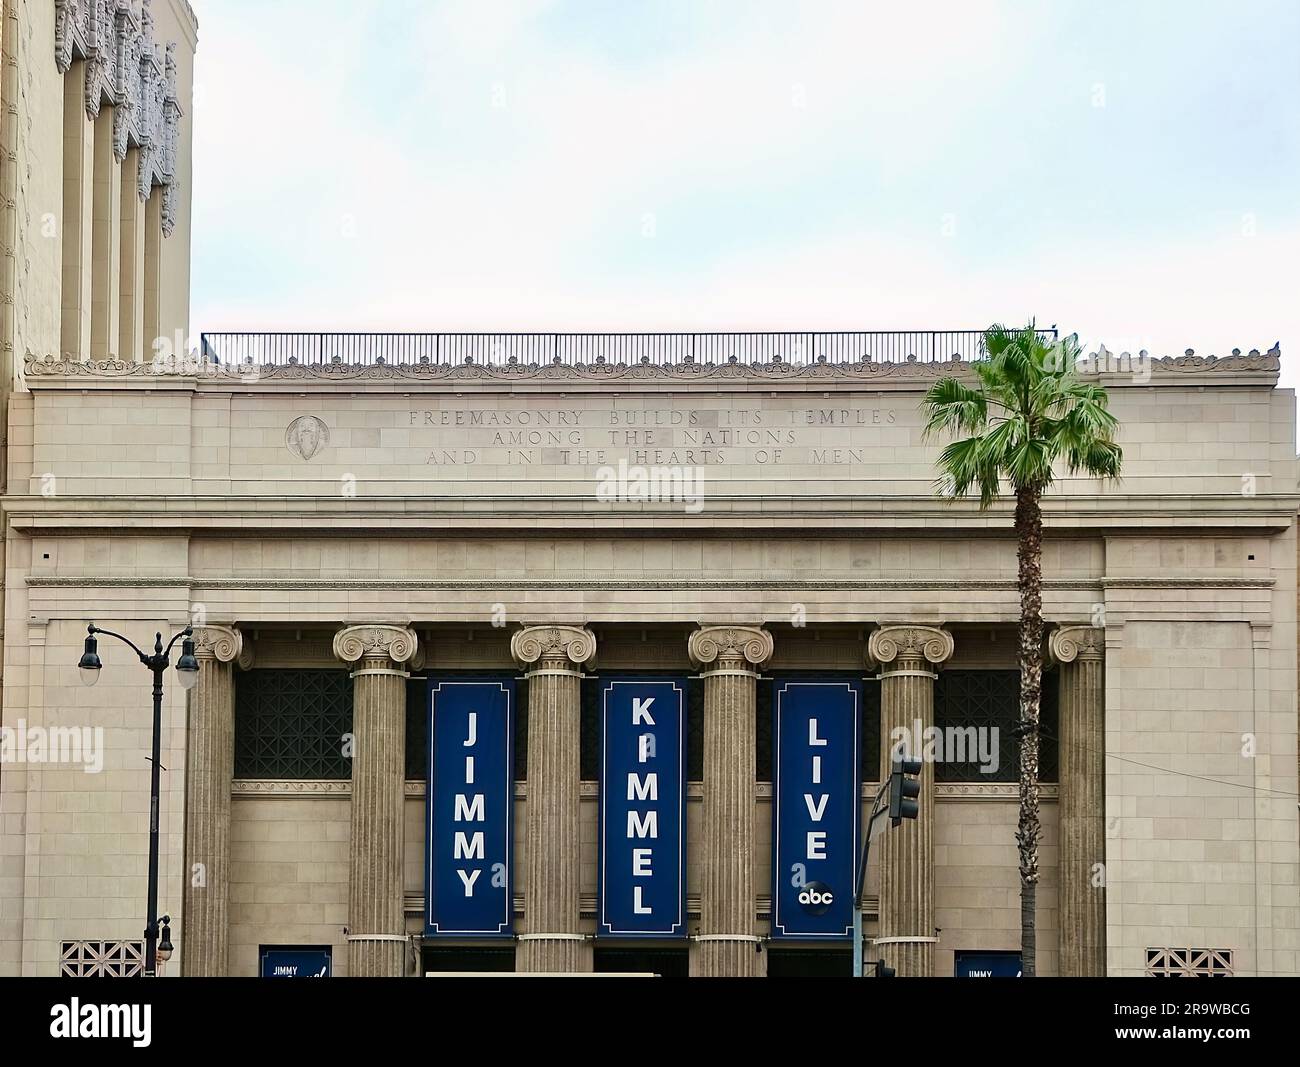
(290, 724)
(101, 959)
(1189, 963)
(990, 701)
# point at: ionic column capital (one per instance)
(225, 644)
(730, 647)
(1068, 643)
(376, 641)
(908, 646)
(552, 648)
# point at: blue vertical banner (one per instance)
(469, 823)
(816, 807)
(642, 836)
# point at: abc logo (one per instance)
(816, 898)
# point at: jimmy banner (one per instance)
(470, 813)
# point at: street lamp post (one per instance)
(187, 673)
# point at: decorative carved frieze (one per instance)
(730, 647)
(126, 70)
(677, 373)
(1069, 643)
(908, 646)
(553, 647)
(375, 641)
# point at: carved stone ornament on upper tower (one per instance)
(126, 70)
(908, 645)
(555, 647)
(1068, 643)
(375, 641)
(730, 647)
(222, 643)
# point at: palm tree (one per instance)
(1025, 416)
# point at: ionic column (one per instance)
(376, 925)
(1080, 651)
(907, 657)
(209, 769)
(727, 943)
(552, 939)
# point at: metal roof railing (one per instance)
(498, 349)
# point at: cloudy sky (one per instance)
(1127, 170)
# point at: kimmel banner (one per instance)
(469, 838)
(816, 807)
(642, 807)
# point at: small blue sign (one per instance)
(469, 841)
(642, 808)
(816, 807)
(296, 961)
(987, 964)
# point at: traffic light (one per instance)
(904, 788)
(882, 971)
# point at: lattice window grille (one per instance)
(1189, 963)
(102, 959)
(290, 724)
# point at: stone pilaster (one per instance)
(727, 943)
(1080, 651)
(553, 939)
(376, 926)
(907, 657)
(209, 769)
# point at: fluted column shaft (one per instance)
(209, 770)
(908, 657)
(1080, 651)
(727, 943)
(376, 925)
(553, 940)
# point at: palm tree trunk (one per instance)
(1029, 535)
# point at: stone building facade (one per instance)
(341, 527)
(95, 169)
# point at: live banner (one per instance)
(469, 838)
(642, 835)
(816, 810)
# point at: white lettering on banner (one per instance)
(816, 811)
(641, 711)
(638, 907)
(642, 825)
(469, 812)
(813, 740)
(816, 848)
(638, 789)
(641, 863)
(469, 846)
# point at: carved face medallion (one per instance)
(306, 436)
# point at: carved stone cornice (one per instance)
(224, 644)
(1068, 643)
(730, 647)
(126, 70)
(553, 647)
(375, 642)
(899, 647)
(862, 371)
